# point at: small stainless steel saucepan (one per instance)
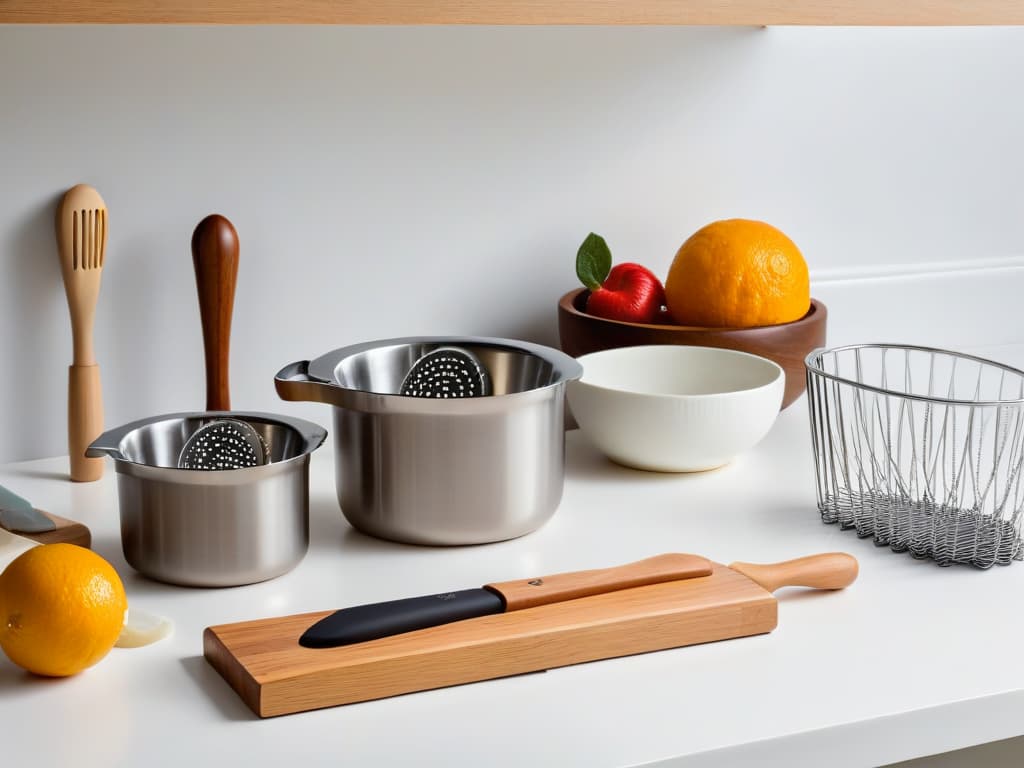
(211, 528)
(442, 471)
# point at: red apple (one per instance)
(627, 292)
(631, 293)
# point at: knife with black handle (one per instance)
(370, 622)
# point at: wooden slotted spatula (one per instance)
(82, 243)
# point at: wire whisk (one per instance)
(921, 449)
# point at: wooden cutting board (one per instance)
(13, 544)
(66, 531)
(264, 663)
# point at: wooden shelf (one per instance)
(664, 12)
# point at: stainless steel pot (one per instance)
(439, 471)
(211, 528)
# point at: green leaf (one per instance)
(593, 261)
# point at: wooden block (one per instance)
(263, 661)
(66, 531)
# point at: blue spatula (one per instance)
(19, 516)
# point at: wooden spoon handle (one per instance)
(215, 257)
(831, 570)
(85, 421)
(527, 593)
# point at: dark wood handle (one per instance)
(215, 256)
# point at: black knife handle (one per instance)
(370, 622)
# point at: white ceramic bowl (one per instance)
(675, 408)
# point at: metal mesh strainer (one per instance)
(224, 444)
(446, 372)
(921, 449)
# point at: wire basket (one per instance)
(921, 449)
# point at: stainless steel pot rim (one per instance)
(565, 368)
(209, 477)
(109, 444)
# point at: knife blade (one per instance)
(361, 623)
(19, 516)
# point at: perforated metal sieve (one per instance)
(447, 372)
(224, 444)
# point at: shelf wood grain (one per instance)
(656, 12)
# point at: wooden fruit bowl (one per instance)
(787, 344)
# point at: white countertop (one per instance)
(913, 659)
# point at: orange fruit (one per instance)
(738, 273)
(61, 609)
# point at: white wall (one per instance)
(395, 181)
